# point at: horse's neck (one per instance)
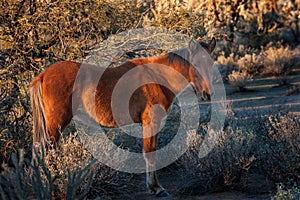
(152, 60)
(179, 65)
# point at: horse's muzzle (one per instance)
(205, 96)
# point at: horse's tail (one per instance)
(40, 136)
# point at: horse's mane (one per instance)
(179, 56)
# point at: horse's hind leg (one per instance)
(56, 122)
(58, 116)
(151, 123)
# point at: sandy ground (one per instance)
(172, 182)
(265, 95)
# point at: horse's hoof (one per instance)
(162, 193)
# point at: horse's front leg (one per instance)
(150, 130)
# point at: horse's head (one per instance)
(200, 70)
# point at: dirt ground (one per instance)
(172, 183)
(265, 95)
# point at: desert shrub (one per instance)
(68, 31)
(69, 155)
(229, 61)
(263, 146)
(243, 60)
(15, 120)
(176, 18)
(222, 169)
(69, 172)
(290, 14)
(72, 156)
(250, 63)
(31, 40)
(27, 180)
(287, 192)
(279, 61)
(283, 140)
(226, 64)
(239, 79)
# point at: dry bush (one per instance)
(71, 155)
(283, 134)
(15, 120)
(290, 11)
(223, 167)
(250, 63)
(226, 64)
(68, 172)
(239, 79)
(244, 60)
(250, 155)
(290, 191)
(176, 18)
(33, 180)
(229, 61)
(279, 61)
(68, 31)
(32, 39)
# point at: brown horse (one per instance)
(51, 97)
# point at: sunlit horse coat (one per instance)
(51, 98)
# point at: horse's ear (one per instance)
(192, 45)
(212, 45)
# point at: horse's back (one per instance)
(57, 82)
(60, 71)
